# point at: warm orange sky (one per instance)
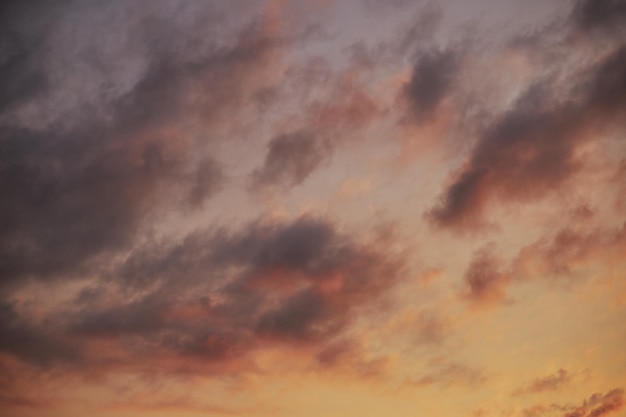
(303, 208)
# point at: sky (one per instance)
(313, 208)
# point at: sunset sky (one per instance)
(313, 208)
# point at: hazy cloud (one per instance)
(599, 405)
(590, 14)
(485, 281)
(549, 383)
(432, 78)
(81, 185)
(218, 295)
(290, 159)
(534, 143)
(36, 343)
(451, 374)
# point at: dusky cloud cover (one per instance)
(304, 208)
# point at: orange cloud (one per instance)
(548, 383)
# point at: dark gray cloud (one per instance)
(606, 88)
(304, 245)
(290, 159)
(531, 149)
(304, 316)
(35, 343)
(337, 107)
(602, 14)
(207, 180)
(138, 317)
(79, 182)
(432, 78)
(23, 39)
(425, 23)
(68, 198)
(208, 85)
(526, 146)
(217, 295)
(22, 79)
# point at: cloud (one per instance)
(484, 279)
(143, 316)
(452, 374)
(303, 316)
(565, 256)
(121, 123)
(593, 14)
(70, 199)
(432, 79)
(425, 23)
(430, 328)
(533, 148)
(206, 181)
(14, 401)
(22, 76)
(568, 252)
(377, 5)
(526, 146)
(180, 404)
(214, 298)
(290, 159)
(81, 172)
(349, 356)
(599, 405)
(537, 410)
(336, 118)
(34, 343)
(549, 383)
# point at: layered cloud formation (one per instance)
(312, 208)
